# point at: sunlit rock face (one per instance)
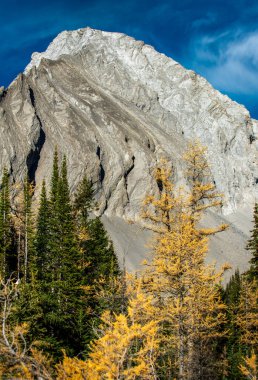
(115, 106)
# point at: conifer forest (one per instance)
(68, 311)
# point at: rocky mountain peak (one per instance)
(72, 42)
(115, 106)
(179, 102)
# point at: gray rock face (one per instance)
(114, 106)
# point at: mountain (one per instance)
(115, 106)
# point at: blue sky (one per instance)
(216, 38)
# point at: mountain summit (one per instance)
(115, 106)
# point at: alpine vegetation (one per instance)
(67, 310)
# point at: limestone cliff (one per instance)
(114, 106)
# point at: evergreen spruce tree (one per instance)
(7, 263)
(103, 272)
(28, 222)
(84, 201)
(64, 273)
(98, 260)
(54, 225)
(67, 239)
(30, 305)
(252, 246)
(96, 248)
(234, 348)
(52, 302)
(69, 273)
(241, 298)
(61, 276)
(247, 320)
(55, 177)
(42, 235)
(103, 261)
(233, 288)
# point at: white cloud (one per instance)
(229, 61)
(209, 19)
(246, 49)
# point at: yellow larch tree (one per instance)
(187, 290)
(189, 298)
(175, 310)
(249, 368)
(159, 211)
(203, 194)
(72, 369)
(127, 346)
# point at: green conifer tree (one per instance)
(96, 246)
(51, 303)
(54, 301)
(233, 346)
(84, 201)
(61, 279)
(28, 222)
(55, 178)
(99, 262)
(252, 246)
(54, 225)
(42, 236)
(101, 255)
(67, 239)
(6, 247)
(233, 288)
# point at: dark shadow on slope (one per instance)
(34, 155)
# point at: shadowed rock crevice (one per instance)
(159, 183)
(101, 169)
(252, 138)
(126, 174)
(101, 173)
(34, 154)
(32, 98)
(98, 151)
(151, 145)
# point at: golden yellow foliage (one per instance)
(187, 289)
(189, 298)
(249, 368)
(72, 369)
(203, 194)
(21, 362)
(160, 211)
(127, 347)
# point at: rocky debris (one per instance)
(133, 244)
